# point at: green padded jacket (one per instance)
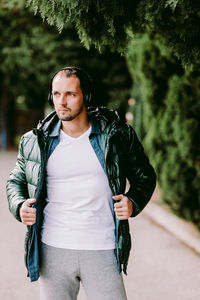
(123, 159)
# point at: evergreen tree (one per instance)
(31, 52)
(108, 23)
(171, 105)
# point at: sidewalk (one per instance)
(185, 231)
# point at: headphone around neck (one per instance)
(85, 83)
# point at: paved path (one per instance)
(160, 266)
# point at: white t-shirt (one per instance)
(79, 211)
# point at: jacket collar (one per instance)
(56, 129)
(100, 118)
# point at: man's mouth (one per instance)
(64, 109)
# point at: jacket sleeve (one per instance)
(140, 174)
(16, 186)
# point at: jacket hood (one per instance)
(103, 116)
(100, 114)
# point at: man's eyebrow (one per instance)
(67, 91)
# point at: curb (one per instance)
(182, 230)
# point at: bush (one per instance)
(171, 106)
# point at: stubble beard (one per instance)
(70, 116)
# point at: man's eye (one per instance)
(71, 94)
(55, 94)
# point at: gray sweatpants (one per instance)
(62, 270)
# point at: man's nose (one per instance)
(62, 99)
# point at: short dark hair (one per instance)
(86, 83)
(85, 79)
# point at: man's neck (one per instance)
(75, 128)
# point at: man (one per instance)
(68, 187)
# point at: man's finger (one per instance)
(29, 202)
(118, 197)
(118, 205)
(122, 203)
(121, 209)
(29, 210)
(27, 215)
(28, 223)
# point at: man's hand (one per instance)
(28, 213)
(123, 208)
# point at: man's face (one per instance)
(67, 97)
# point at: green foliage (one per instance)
(171, 105)
(31, 52)
(137, 110)
(96, 22)
(176, 24)
(108, 23)
(25, 49)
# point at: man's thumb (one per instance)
(118, 197)
(29, 202)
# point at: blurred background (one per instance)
(144, 57)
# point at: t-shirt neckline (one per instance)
(67, 136)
